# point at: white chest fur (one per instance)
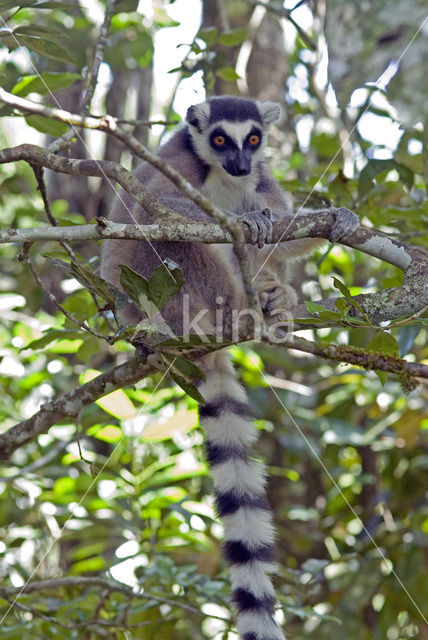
(232, 194)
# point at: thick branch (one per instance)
(100, 168)
(390, 304)
(395, 252)
(69, 404)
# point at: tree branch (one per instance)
(85, 582)
(70, 403)
(90, 76)
(98, 57)
(390, 304)
(407, 371)
(411, 298)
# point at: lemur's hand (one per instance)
(345, 223)
(260, 225)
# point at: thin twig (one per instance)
(90, 78)
(85, 582)
(24, 256)
(41, 185)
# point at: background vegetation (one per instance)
(122, 493)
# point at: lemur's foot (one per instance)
(279, 298)
(346, 222)
(260, 225)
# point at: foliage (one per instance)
(122, 492)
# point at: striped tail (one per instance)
(239, 484)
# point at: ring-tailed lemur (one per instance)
(219, 151)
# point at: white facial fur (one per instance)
(200, 129)
(238, 131)
(230, 193)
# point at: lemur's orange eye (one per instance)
(219, 141)
(254, 139)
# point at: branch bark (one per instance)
(69, 404)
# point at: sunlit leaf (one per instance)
(109, 433)
(181, 422)
(44, 83)
(115, 403)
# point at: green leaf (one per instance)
(407, 336)
(93, 283)
(375, 167)
(133, 283)
(209, 35)
(50, 336)
(342, 305)
(347, 294)
(166, 280)
(46, 48)
(88, 348)
(232, 38)
(188, 387)
(228, 74)
(384, 343)
(323, 314)
(184, 373)
(108, 433)
(47, 125)
(142, 49)
(189, 369)
(44, 83)
(313, 307)
(40, 31)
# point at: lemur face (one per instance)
(228, 132)
(235, 144)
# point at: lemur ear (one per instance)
(270, 112)
(198, 116)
